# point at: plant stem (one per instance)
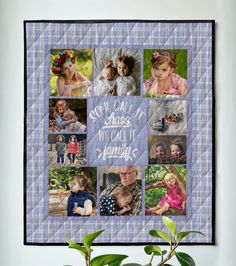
(169, 255)
(152, 256)
(87, 260)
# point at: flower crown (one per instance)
(64, 56)
(158, 54)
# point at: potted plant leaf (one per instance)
(173, 237)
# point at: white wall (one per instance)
(12, 14)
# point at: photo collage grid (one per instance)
(75, 76)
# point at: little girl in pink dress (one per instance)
(164, 82)
(174, 198)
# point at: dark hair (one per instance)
(161, 57)
(73, 136)
(128, 61)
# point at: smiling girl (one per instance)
(69, 81)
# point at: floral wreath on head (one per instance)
(64, 56)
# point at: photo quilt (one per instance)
(119, 130)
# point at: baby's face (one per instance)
(163, 71)
(109, 74)
(122, 69)
(124, 201)
(67, 117)
(159, 152)
(175, 150)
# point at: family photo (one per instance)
(66, 150)
(67, 116)
(72, 191)
(120, 190)
(167, 149)
(117, 72)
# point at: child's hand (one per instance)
(148, 84)
(108, 63)
(124, 210)
(127, 208)
(78, 210)
(183, 205)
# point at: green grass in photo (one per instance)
(181, 61)
(83, 64)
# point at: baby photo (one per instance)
(167, 149)
(72, 191)
(165, 190)
(67, 115)
(121, 190)
(66, 150)
(165, 73)
(70, 72)
(116, 72)
(167, 117)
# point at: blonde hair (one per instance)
(180, 185)
(68, 115)
(123, 192)
(154, 147)
(178, 142)
(60, 103)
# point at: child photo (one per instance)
(70, 72)
(165, 73)
(167, 149)
(116, 72)
(165, 190)
(66, 150)
(67, 116)
(72, 191)
(167, 117)
(121, 190)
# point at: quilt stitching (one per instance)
(150, 222)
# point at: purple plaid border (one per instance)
(40, 37)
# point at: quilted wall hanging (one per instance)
(119, 130)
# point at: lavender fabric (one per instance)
(196, 37)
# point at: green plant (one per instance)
(86, 250)
(173, 238)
